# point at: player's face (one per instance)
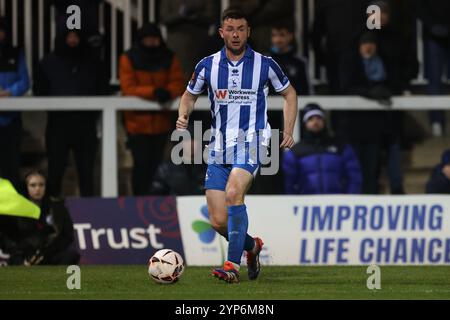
(235, 33)
(315, 124)
(36, 187)
(282, 38)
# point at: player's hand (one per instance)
(288, 140)
(182, 122)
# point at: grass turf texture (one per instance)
(132, 282)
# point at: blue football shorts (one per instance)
(217, 174)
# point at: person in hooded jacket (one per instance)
(13, 83)
(70, 71)
(151, 71)
(319, 163)
(50, 240)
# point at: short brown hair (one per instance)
(234, 13)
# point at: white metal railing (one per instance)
(133, 10)
(110, 105)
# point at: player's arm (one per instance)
(186, 107)
(290, 115)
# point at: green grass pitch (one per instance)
(132, 282)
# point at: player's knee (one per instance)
(218, 221)
(233, 197)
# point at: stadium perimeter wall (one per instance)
(297, 230)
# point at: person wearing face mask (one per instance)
(50, 239)
(320, 164)
(69, 71)
(13, 83)
(151, 71)
(283, 51)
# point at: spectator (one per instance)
(12, 206)
(89, 21)
(367, 73)
(49, 240)
(89, 14)
(188, 23)
(263, 15)
(337, 26)
(396, 47)
(151, 71)
(436, 26)
(186, 178)
(439, 181)
(283, 51)
(70, 71)
(320, 164)
(13, 83)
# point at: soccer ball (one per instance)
(165, 266)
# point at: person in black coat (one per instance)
(381, 66)
(283, 51)
(396, 47)
(436, 36)
(337, 26)
(70, 71)
(439, 181)
(49, 240)
(89, 21)
(371, 73)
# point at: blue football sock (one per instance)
(237, 231)
(249, 243)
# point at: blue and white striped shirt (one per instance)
(238, 94)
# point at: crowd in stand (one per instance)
(376, 64)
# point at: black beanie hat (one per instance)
(148, 30)
(312, 109)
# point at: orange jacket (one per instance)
(142, 83)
